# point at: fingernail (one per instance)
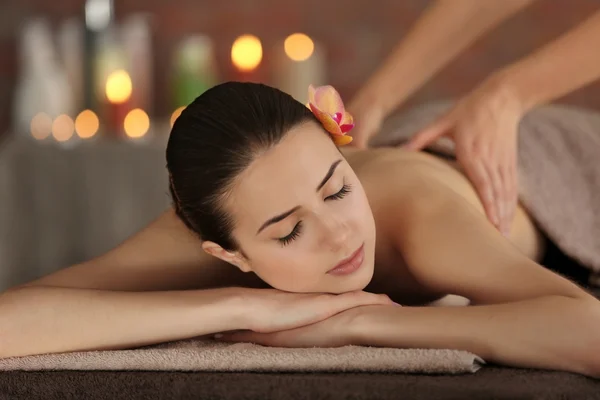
(397, 304)
(218, 335)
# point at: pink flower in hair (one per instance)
(326, 104)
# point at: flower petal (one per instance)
(337, 117)
(342, 140)
(347, 119)
(311, 95)
(328, 122)
(328, 100)
(346, 128)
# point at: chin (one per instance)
(359, 280)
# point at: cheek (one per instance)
(359, 210)
(290, 268)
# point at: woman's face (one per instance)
(300, 211)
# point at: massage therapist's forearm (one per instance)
(564, 65)
(443, 31)
(551, 332)
(36, 320)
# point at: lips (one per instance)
(350, 264)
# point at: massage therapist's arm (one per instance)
(523, 314)
(562, 66)
(444, 30)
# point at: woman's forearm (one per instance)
(36, 319)
(439, 35)
(564, 65)
(551, 332)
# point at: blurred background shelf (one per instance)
(61, 206)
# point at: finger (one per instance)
(368, 298)
(427, 135)
(509, 177)
(477, 174)
(498, 197)
(349, 300)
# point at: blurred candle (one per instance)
(137, 47)
(246, 55)
(63, 128)
(87, 124)
(41, 126)
(297, 63)
(118, 93)
(194, 69)
(136, 124)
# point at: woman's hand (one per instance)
(336, 331)
(484, 126)
(271, 310)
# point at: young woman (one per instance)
(277, 234)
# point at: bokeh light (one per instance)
(299, 47)
(246, 52)
(63, 128)
(176, 115)
(86, 124)
(41, 126)
(137, 123)
(118, 87)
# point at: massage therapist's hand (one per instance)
(271, 310)
(339, 330)
(368, 117)
(484, 126)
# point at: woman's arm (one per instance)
(141, 293)
(524, 315)
(564, 65)
(444, 30)
(551, 332)
(45, 319)
(136, 294)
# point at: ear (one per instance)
(234, 258)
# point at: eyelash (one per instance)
(298, 228)
(341, 194)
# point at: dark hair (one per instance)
(214, 139)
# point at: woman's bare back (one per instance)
(380, 169)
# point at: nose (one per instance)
(336, 232)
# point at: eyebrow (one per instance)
(286, 214)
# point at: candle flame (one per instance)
(298, 47)
(246, 52)
(63, 128)
(136, 123)
(86, 124)
(118, 87)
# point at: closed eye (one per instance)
(292, 236)
(341, 194)
(295, 233)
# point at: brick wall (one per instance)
(356, 33)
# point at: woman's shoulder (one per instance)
(397, 176)
(394, 174)
(165, 255)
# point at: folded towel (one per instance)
(559, 172)
(202, 354)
